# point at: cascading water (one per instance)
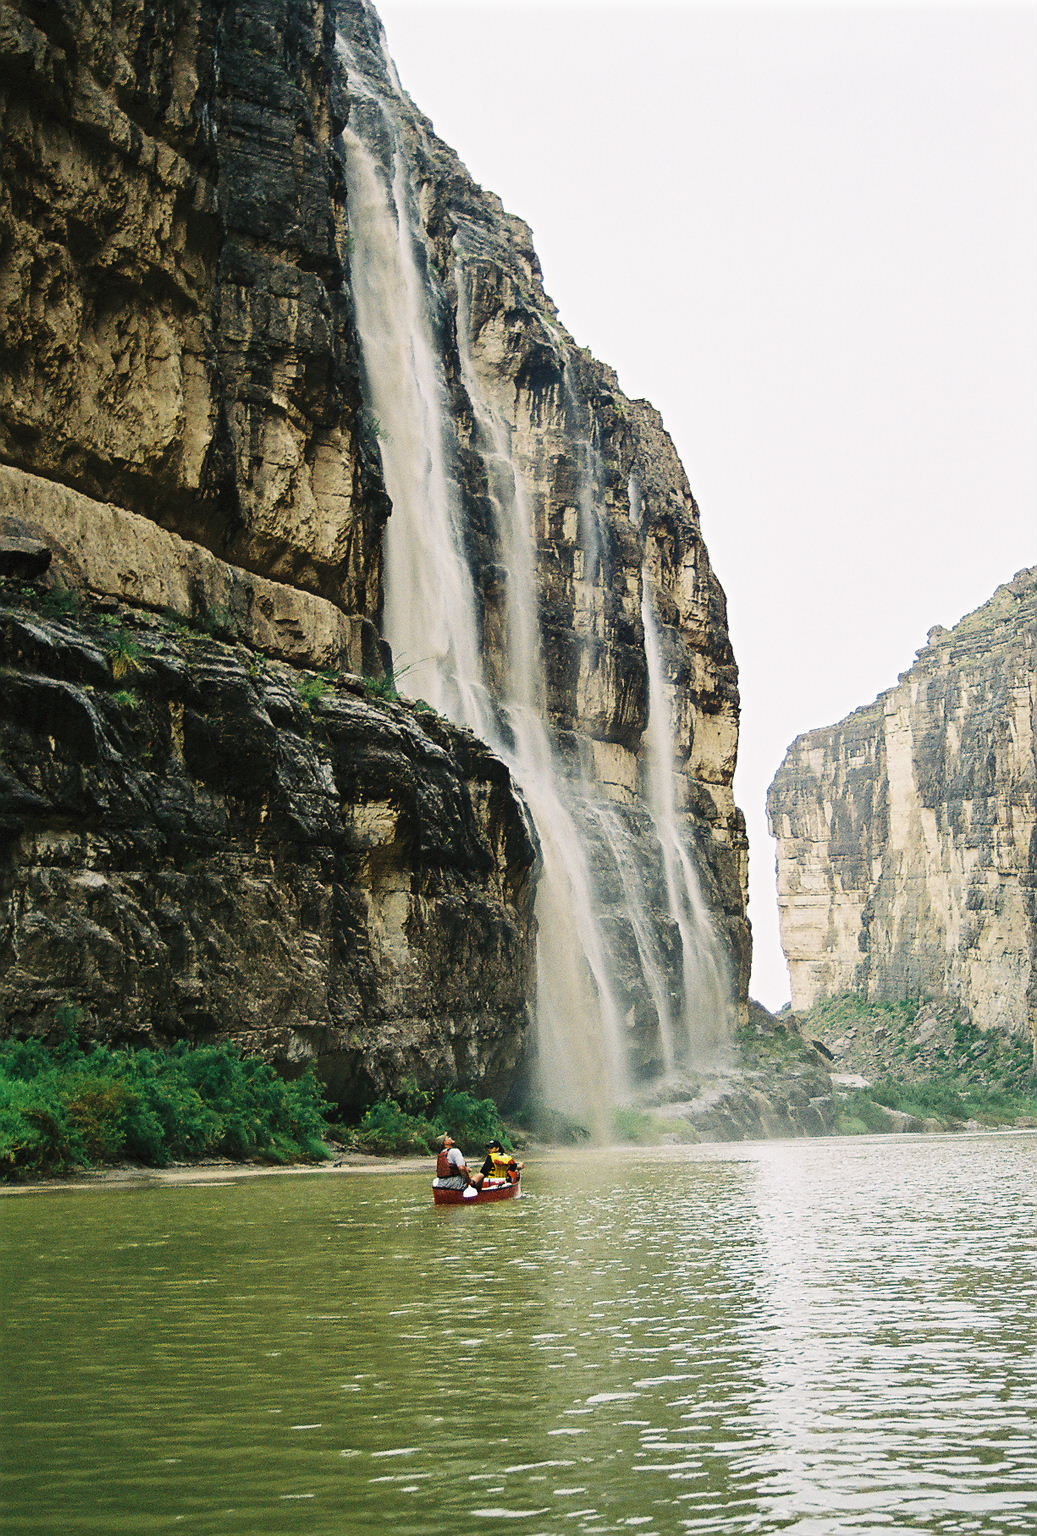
(430, 608)
(580, 1046)
(432, 620)
(430, 613)
(706, 987)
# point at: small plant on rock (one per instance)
(125, 651)
(383, 688)
(312, 689)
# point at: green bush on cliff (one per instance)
(312, 689)
(71, 1108)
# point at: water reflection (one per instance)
(825, 1337)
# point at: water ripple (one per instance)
(828, 1338)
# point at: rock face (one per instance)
(176, 334)
(187, 426)
(197, 842)
(547, 465)
(907, 833)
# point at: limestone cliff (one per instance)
(197, 842)
(174, 322)
(187, 425)
(907, 833)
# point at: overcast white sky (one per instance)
(808, 234)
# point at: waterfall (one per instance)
(433, 621)
(579, 1023)
(431, 609)
(638, 907)
(706, 986)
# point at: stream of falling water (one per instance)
(432, 624)
(706, 987)
(430, 609)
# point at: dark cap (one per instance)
(490, 1145)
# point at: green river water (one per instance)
(817, 1337)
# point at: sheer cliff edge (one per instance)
(907, 833)
(188, 429)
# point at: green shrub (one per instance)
(35, 1134)
(954, 1099)
(390, 1127)
(55, 602)
(470, 1120)
(68, 1107)
(381, 688)
(125, 651)
(858, 1115)
(387, 1129)
(312, 690)
(949, 1101)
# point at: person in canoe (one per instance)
(451, 1168)
(499, 1164)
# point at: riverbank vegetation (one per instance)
(935, 1103)
(72, 1107)
(926, 1062)
(77, 1106)
(414, 1121)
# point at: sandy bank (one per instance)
(217, 1173)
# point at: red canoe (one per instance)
(501, 1191)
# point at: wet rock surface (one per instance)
(199, 843)
(182, 426)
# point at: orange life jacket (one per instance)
(445, 1169)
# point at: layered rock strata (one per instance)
(612, 521)
(175, 331)
(185, 423)
(198, 842)
(907, 833)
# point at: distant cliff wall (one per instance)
(907, 833)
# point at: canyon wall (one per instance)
(197, 842)
(175, 321)
(188, 424)
(907, 833)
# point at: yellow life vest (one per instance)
(502, 1162)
